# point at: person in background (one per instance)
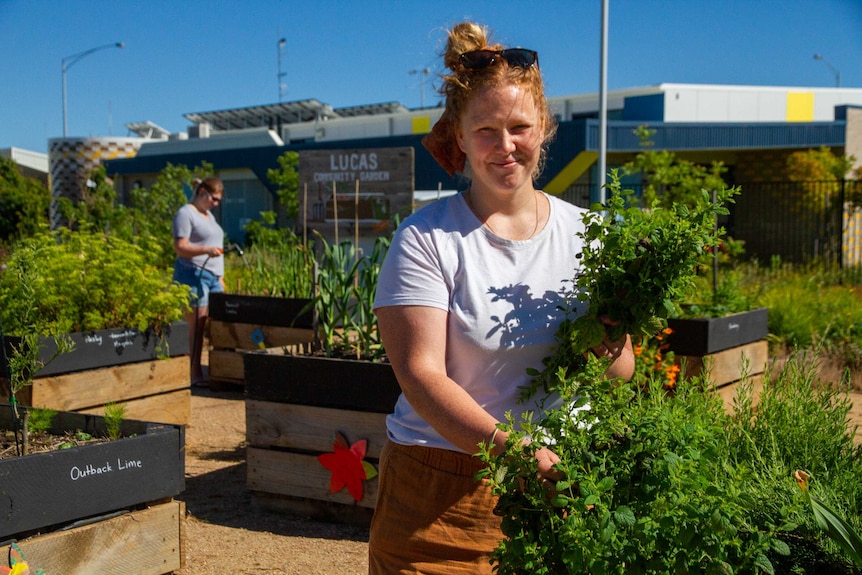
(199, 245)
(470, 296)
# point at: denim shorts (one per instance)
(202, 282)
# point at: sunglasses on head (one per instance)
(518, 57)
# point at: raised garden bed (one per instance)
(727, 348)
(122, 366)
(146, 541)
(239, 324)
(295, 407)
(48, 498)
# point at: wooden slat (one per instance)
(146, 542)
(299, 475)
(226, 335)
(725, 366)
(173, 407)
(311, 428)
(226, 365)
(76, 391)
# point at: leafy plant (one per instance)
(115, 414)
(275, 264)
(82, 281)
(98, 208)
(635, 265)
(660, 482)
(41, 419)
(25, 358)
(345, 290)
(286, 177)
(647, 487)
(24, 203)
(841, 532)
(668, 179)
(655, 480)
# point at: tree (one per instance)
(669, 179)
(821, 171)
(24, 203)
(287, 180)
(98, 208)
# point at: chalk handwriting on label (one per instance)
(231, 308)
(91, 470)
(732, 326)
(93, 338)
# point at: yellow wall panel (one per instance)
(421, 125)
(800, 106)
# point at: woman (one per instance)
(199, 245)
(469, 298)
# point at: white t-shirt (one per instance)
(505, 300)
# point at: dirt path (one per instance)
(224, 532)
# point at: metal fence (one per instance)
(797, 221)
(800, 221)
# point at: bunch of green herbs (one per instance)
(636, 266)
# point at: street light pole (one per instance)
(422, 73)
(69, 61)
(831, 67)
(281, 44)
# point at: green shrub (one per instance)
(40, 420)
(24, 203)
(671, 482)
(85, 281)
(275, 264)
(811, 306)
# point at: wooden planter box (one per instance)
(704, 336)
(121, 366)
(147, 541)
(295, 405)
(47, 498)
(727, 348)
(239, 324)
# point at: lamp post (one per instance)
(831, 67)
(281, 44)
(422, 73)
(69, 61)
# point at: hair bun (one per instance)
(464, 37)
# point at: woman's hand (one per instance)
(546, 472)
(620, 352)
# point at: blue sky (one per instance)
(183, 56)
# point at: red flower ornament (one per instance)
(347, 466)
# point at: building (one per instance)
(752, 129)
(32, 164)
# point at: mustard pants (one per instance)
(432, 516)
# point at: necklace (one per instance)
(467, 198)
